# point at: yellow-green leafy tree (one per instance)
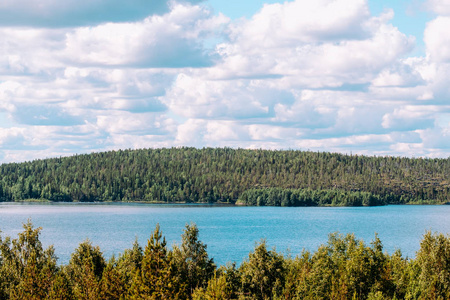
(27, 270)
(263, 274)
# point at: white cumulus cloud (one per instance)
(328, 75)
(54, 13)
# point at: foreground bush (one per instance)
(344, 268)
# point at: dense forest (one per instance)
(344, 268)
(229, 175)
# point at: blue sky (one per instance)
(360, 76)
(410, 16)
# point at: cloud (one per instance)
(29, 51)
(437, 39)
(263, 132)
(310, 50)
(194, 97)
(138, 124)
(410, 118)
(437, 138)
(169, 41)
(71, 13)
(220, 133)
(172, 40)
(44, 115)
(11, 138)
(304, 22)
(133, 90)
(8, 91)
(322, 75)
(399, 75)
(440, 7)
(131, 141)
(190, 133)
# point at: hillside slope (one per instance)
(221, 175)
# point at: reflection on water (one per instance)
(229, 232)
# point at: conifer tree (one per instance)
(433, 266)
(61, 287)
(263, 274)
(113, 283)
(85, 270)
(157, 278)
(192, 261)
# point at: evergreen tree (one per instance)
(157, 277)
(61, 286)
(224, 175)
(192, 261)
(113, 283)
(263, 274)
(433, 266)
(85, 270)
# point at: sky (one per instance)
(350, 76)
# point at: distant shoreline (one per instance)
(237, 204)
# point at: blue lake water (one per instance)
(229, 232)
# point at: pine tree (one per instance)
(263, 273)
(192, 261)
(85, 270)
(157, 277)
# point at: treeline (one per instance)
(344, 268)
(307, 197)
(221, 175)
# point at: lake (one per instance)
(230, 232)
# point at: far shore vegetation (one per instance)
(233, 176)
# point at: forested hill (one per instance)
(260, 177)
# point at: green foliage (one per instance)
(85, 270)
(263, 274)
(192, 261)
(344, 268)
(26, 269)
(61, 286)
(157, 277)
(127, 265)
(308, 197)
(433, 266)
(223, 175)
(217, 289)
(225, 284)
(113, 283)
